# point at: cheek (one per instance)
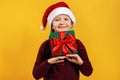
(55, 24)
(54, 27)
(70, 25)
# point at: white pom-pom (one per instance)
(42, 27)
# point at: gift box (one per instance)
(63, 43)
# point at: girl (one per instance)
(61, 57)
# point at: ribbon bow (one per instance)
(63, 45)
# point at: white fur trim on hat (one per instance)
(58, 11)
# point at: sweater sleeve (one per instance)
(86, 68)
(41, 65)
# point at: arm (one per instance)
(81, 59)
(41, 65)
(86, 67)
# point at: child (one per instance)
(61, 57)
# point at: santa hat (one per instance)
(55, 10)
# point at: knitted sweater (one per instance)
(60, 71)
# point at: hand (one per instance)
(75, 58)
(56, 59)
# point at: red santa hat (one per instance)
(55, 10)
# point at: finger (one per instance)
(69, 59)
(58, 61)
(61, 57)
(73, 55)
(70, 56)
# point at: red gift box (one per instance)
(63, 43)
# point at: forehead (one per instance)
(62, 15)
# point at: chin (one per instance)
(62, 30)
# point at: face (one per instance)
(62, 23)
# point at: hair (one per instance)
(52, 30)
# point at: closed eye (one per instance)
(56, 19)
(66, 19)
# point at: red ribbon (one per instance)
(66, 45)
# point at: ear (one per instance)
(71, 25)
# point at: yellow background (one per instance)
(98, 27)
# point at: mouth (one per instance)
(63, 26)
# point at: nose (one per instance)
(62, 21)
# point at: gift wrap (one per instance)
(63, 43)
